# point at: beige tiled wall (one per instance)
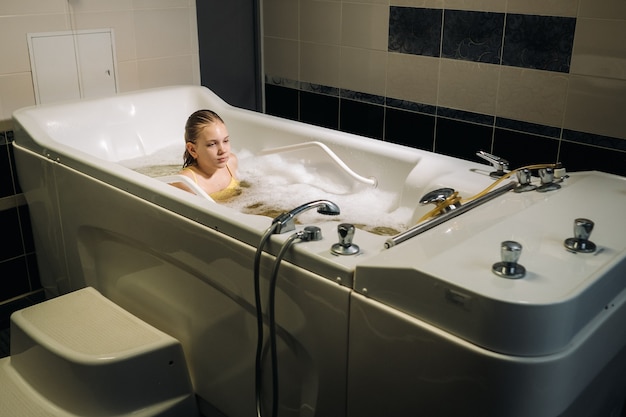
(591, 98)
(155, 40)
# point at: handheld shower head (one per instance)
(328, 208)
(286, 221)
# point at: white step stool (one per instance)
(82, 355)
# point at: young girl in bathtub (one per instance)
(208, 160)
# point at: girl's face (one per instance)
(212, 147)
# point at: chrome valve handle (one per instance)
(580, 242)
(345, 231)
(547, 180)
(523, 180)
(510, 252)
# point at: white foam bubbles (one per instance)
(272, 184)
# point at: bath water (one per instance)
(273, 184)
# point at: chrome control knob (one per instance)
(523, 179)
(547, 180)
(510, 252)
(345, 231)
(580, 242)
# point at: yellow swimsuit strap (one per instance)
(230, 191)
(195, 178)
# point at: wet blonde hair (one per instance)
(194, 126)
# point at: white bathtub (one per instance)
(423, 327)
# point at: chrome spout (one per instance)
(286, 222)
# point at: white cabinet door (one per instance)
(53, 63)
(95, 63)
(69, 65)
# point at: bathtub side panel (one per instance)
(37, 177)
(419, 369)
(196, 284)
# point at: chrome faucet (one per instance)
(286, 221)
(500, 164)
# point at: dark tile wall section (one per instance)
(284, 102)
(362, 118)
(539, 42)
(452, 132)
(415, 31)
(19, 275)
(461, 139)
(472, 36)
(523, 149)
(7, 186)
(530, 41)
(410, 129)
(319, 109)
(527, 41)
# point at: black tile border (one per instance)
(362, 97)
(527, 127)
(319, 89)
(466, 116)
(600, 141)
(411, 106)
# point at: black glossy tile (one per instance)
(580, 157)
(319, 109)
(33, 272)
(16, 183)
(14, 280)
(472, 36)
(522, 149)
(461, 139)
(415, 31)
(27, 229)
(281, 101)
(410, 129)
(539, 42)
(11, 241)
(6, 178)
(361, 118)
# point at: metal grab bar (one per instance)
(442, 218)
